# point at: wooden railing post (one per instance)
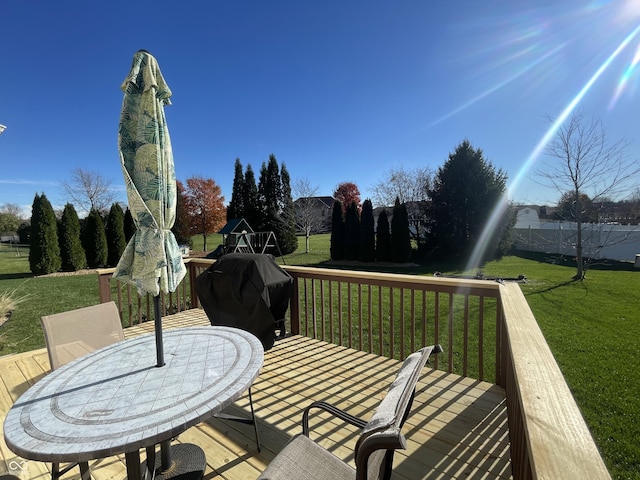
(294, 308)
(104, 285)
(193, 274)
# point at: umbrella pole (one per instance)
(158, 328)
(165, 447)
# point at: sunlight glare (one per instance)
(482, 243)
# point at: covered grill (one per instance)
(248, 291)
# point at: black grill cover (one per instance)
(248, 291)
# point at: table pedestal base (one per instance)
(187, 463)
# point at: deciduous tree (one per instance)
(582, 160)
(411, 186)
(205, 204)
(89, 191)
(306, 212)
(347, 193)
(10, 218)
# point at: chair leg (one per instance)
(254, 421)
(246, 420)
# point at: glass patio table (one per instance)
(115, 400)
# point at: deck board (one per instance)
(457, 429)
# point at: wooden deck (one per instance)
(457, 429)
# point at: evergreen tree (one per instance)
(465, 192)
(236, 207)
(352, 232)
(273, 198)
(250, 199)
(115, 235)
(383, 244)
(94, 240)
(261, 205)
(337, 249)
(71, 250)
(182, 226)
(367, 234)
(271, 194)
(400, 237)
(44, 252)
(129, 226)
(289, 241)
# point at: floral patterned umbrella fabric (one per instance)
(151, 260)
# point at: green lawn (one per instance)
(592, 328)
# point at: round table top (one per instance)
(116, 400)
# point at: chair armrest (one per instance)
(355, 421)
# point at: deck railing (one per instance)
(486, 328)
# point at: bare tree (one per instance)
(582, 161)
(405, 185)
(12, 209)
(411, 188)
(306, 208)
(89, 191)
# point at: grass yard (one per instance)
(592, 328)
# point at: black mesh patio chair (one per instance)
(304, 459)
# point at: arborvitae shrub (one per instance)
(44, 252)
(71, 249)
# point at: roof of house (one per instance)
(327, 201)
(236, 225)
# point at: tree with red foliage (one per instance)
(205, 206)
(347, 193)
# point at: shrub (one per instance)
(44, 254)
(115, 235)
(95, 240)
(71, 249)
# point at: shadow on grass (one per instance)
(569, 261)
(15, 276)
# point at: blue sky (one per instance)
(336, 90)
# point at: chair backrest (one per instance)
(75, 333)
(382, 436)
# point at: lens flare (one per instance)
(626, 76)
(496, 214)
(498, 86)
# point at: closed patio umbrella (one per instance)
(151, 260)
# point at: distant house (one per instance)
(314, 212)
(10, 238)
(415, 211)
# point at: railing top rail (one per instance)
(195, 260)
(559, 442)
(485, 288)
